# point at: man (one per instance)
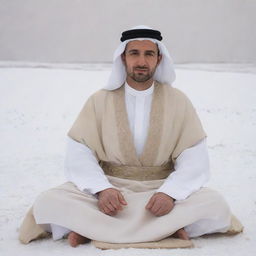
(136, 160)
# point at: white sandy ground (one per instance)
(39, 105)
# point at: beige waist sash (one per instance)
(141, 173)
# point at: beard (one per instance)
(141, 74)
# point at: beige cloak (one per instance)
(103, 126)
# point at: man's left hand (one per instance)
(160, 204)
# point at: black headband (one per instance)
(141, 33)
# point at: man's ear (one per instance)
(159, 58)
(123, 57)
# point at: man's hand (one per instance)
(110, 201)
(160, 204)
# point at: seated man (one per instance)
(136, 160)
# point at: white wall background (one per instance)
(89, 30)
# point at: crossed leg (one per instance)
(75, 239)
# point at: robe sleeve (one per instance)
(87, 127)
(190, 130)
(191, 172)
(82, 168)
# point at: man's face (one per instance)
(141, 59)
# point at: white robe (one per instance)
(191, 167)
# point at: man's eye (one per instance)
(134, 53)
(150, 54)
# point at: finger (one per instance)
(112, 213)
(104, 209)
(165, 209)
(156, 207)
(107, 211)
(116, 204)
(160, 212)
(150, 203)
(105, 204)
(121, 199)
(110, 206)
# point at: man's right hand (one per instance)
(110, 201)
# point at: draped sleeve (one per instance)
(190, 130)
(87, 126)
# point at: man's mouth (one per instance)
(141, 69)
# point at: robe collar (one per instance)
(129, 90)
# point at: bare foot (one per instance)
(75, 239)
(181, 234)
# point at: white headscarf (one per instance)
(164, 72)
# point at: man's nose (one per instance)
(141, 60)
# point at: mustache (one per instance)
(141, 67)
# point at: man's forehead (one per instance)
(142, 45)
